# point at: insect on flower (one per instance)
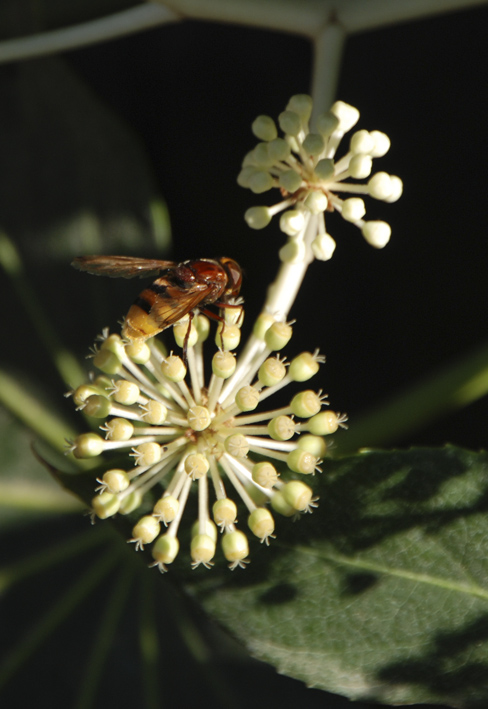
(179, 290)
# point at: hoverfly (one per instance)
(178, 291)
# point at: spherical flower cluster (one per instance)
(303, 166)
(182, 435)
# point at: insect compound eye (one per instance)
(234, 275)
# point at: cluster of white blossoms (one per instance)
(181, 435)
(303, 166)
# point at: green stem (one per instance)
(66, 364)
(452, 388)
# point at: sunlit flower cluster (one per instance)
(181, 435)
(303, 166)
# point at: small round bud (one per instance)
(278, 336)
(105, 505)
(260, 181)
(353, 209)
(381, 144)
(348, 115)
(293, 251)
(376, 233)
(379, 185)
(198, 417)
(237, 445)
(262, 323)
(313, 144)
(327, 123)
(264, 128)
(323, 247)
(116, 480)
(324, 423)
(147, 453)
(107, 362)
(298, 495)
(281, 428)
(118, 429)
(244, 176)
(81, 393)
(202, 324)
(88, 445)
(324, 169)
(360, 166)
(224, 512)
(209, 529)
(173, 368)
(138, 352)
(113, 343)
(165, 549)
(130, 502)
(261, 523)
(223, 364)
(227, 336)
(301, 104)
(305, 404)
(396, 189)
(146, 530)
(166, 509)
(281, 506)
(292, 222)
(290, 181)
(301, 461)
(303, 367)
(361, 142)
(271, 372)
(202, 549)
(261, 156)
(316, 202)
(279, 150)
(316, 445)
(183, 328)
(257, 217)
(289, 122)
(154, 412)
(235, 546)
(196, 465)
(247, 398)
(125, 392)
(265, 474)
(97, 406)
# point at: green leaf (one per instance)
(381, 595)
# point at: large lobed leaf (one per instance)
(382, 594)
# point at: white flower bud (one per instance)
(376, 233)
(353, 209)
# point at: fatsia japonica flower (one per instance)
(217, 441)
(303, 165)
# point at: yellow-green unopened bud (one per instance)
(166, 509)
(237, 445)
(262, 324)
(281, 506)
(261, 523)
(81, 393)
(247, 398)
(298, 495)
(119, 429)
(227, 336)
(173, 368)
(196, 465)
(290, 181)
(181, 330)
(235, 546)
(146, 530)
(165, 549)
(126, 393)
(209, 529)
(130, 503)
(257, 217)
(305, 404)
(154, 412)
(224, 511)
(301, 104)
(278, 336)
(316, 445)
(223, 364)
(313, 144)
(105, 505)
(324, 423)
(281, 428)
(271, 372)
(88, 445)
(138, 352)
(116, 480)
(279, 149)
(107, 362)
(289, 122)
(97, 406)
(147, 453)
(303, 367)
(198, 417)
(301, 461)
(327, 123)
(113, 343)
(202, 324)
(264, 128)
(324, 169)
(265, 474)
(202, 549)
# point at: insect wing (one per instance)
(172, 302)
(121, 266)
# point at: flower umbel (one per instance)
(181, 434)
(303, 166)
